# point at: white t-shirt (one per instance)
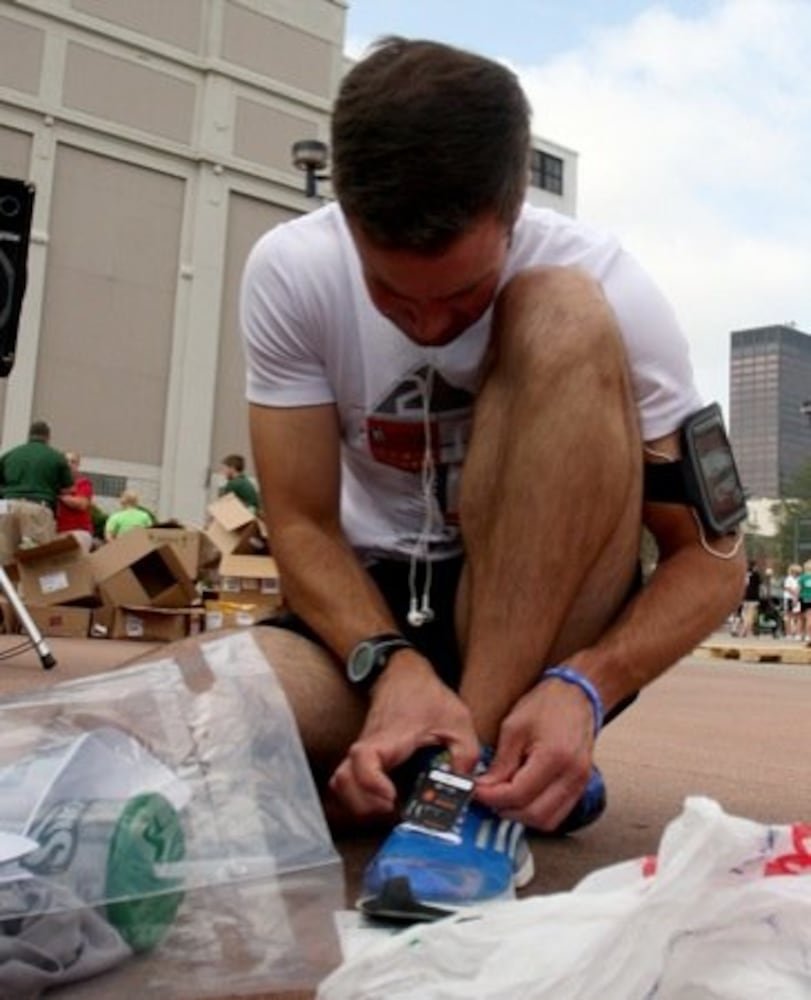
(313, 336)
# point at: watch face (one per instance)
(362, 662)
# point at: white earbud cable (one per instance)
(420, 610)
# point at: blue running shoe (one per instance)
(588, 808)
(419, 876)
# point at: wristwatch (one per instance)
(369, 658)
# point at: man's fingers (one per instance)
(464, 753)
(361, 782)
(505, 763)
(547, 811)
(538, 798)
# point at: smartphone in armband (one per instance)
(719, 495)
(706, 477)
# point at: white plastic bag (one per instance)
(723, 911)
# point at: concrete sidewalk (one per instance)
(755, 649)
(731, 729)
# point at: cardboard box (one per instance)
(133, 570)
(233, 528)
(61, 621)
(185, 543)
(155, 624)
(9, 622)
(101, 624)
(220, 613)
(58, 572)
(9, 533)
(250, 578)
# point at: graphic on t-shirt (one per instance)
(397, 424)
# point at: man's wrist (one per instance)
(369, 658)
(573, 677)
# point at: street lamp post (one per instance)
(311, 156)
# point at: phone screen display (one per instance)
(716, 472)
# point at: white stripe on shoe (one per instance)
(508, 837)
(482, 840)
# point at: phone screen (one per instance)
(718, 473)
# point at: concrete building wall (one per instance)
(158, 137)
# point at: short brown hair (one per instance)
(235, 462)
(39, 431)
(426, 139)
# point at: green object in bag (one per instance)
(148, 833)
(105, 853)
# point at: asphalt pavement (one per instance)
(729, 722)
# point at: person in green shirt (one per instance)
(32, 476)
(236, 482)
(131, 515)
(804, 581)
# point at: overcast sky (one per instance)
(692, 121)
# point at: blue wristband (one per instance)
(589, 690)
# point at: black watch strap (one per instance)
(370, 657)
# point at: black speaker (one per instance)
(16, 209)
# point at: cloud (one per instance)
(694, 142)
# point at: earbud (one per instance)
(426, 611)
(415, 617)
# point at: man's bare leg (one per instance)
(551, 492)
(328, 713)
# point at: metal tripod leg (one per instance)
(46, 657)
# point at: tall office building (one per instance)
(770, 381)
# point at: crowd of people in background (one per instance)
(776, 606)
(44, 494)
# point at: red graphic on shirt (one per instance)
(797, 862)
(396, 430)
(650, 863)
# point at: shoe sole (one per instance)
(397, 903)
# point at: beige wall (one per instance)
(158, 136)
(109, 303)
(176, 22)
(248, 218)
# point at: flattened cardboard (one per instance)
(58, 572)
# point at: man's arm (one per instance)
(697, 582)
(78, 496)
(297, 456)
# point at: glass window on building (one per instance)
(546, 171)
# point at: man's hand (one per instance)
(543, 757)
(410, 708)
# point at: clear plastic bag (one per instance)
(171, 803)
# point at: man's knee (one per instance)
(559, 318)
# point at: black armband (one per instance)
(705, 477)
